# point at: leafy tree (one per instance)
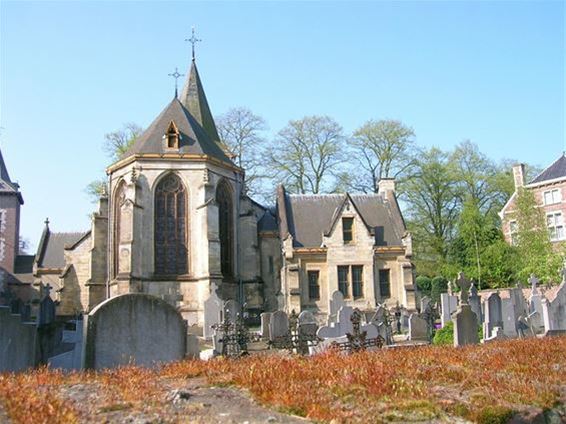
(500, 263)
(306, 154)
(438, 285)
(533, 242)
(433, 204)
(381, 149)
(241, 131)
(424, 284)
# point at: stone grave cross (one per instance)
(533, 281)
(464, 285)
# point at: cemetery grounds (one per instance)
(524, 379)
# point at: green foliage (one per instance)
(494, 414)
(424, 284)
(438, 285)
(536, 255)
(95, 189)
(444, 336)
(500, 263)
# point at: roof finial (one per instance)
(176, 75)
(46, 222)
(193, 40)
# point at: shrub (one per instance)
(424, 284)
(444, 336)
(438, 285)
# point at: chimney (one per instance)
(519, 175)
(386, 184)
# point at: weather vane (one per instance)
(176, 75)
(193, 40)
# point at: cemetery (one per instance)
(137, 342)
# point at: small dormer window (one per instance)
(172, 136)
(348, 230)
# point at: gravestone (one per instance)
(335, 303)
(493, 314)
(265, 319)
(448, 304)
(344, 326)
(278, 325)
(307, 325)
(475, 302)
(418, 328)
(193, 348)
(70, 360)
(212, 313)
(233, 308)
(425, 301)
(554, 312)
(535, 305)
(135, 329)
(509, 318)
(46, 311)
(464, 319)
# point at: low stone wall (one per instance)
(17, 342)
(133, 329)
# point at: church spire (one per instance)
(194, 99)
(3, 170)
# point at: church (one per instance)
(176, 223)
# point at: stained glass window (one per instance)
(225, 228)
(171, 253)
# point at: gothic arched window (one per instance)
(119, 224)
(225, 228)
(171, 253)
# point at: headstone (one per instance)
(509, 318)
(71, 360)
(418, 328)
(307, 317)
(265, 319)
(135, 329)
(335, 303)
(493, 314)
(46, 311)
(233, 308)
(193, 348)
(278, 325)
(475, 302)
(425, 301)
(535, 305)
(465, 320)
(554, 312)
(448, 304)
(344, 325)
(212, 313)
(496, 334)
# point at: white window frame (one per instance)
(552, 197)
(555, 224)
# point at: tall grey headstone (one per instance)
(509, 318)
(448, 304)
(425, 301)
(464, 319)
(535, 305)
(212, 313)
(475, 302)
(278, 325)
(265, 319)
(554, 311)
(334, 304)
(339, 328)
(493, 314)
(418, 328)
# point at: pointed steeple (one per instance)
(3, 170)
(194, 99)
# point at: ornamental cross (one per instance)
(193, 40)
(464, 285)
(176, 75)
(533, 281)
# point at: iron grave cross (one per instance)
(176, 75)
(464, 285)
(193, 40)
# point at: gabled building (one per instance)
(549, 189)
(177, 223)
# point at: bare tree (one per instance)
(305, 155)
(118, 142)
(382, 149)
(241, 131)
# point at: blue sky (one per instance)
(491, 72)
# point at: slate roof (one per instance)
(194, 99)
(554, 171)
(50, 253)
(6, 185)
(309, 216)
(268, 222)
(193, 138)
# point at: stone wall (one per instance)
(133, 328)
(9, 231)
(17, 342)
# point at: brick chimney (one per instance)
(519, 175)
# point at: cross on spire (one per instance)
(176, 75)
(193, 40)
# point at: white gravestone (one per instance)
(278, 325)
(265, 319)
(334, 304)
(493, 315)
(212, 313)
(448, 304)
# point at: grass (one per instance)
(482, 383)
